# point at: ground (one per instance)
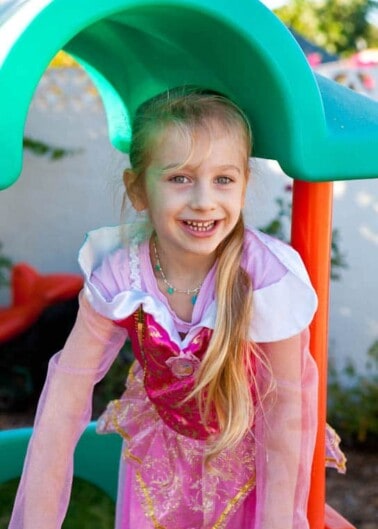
(354, 495)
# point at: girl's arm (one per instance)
(286, 436)
(63, 412)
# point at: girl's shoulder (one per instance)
(263, 266)
(284, 301)
(267, 259)
(103, 260)
(109, 261)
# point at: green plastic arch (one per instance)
(133, 49)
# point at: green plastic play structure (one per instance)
(96, 457)
(133, 49)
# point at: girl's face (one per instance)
(194, 194)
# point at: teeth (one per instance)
(200, 225)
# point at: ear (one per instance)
(135, 190)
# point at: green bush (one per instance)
(113, 385)
(89, 506)
(353, 401)
(279, 227)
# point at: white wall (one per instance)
(44, 216)
(354, 299)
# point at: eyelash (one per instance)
(180, 179)
(227, 178)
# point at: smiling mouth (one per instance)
(200, 225)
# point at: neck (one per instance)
(184, 271)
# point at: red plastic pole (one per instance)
(311, 235)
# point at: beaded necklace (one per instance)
(170, 288)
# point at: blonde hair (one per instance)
(225, 381)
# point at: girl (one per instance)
(219, 414)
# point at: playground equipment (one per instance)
(32, 328)
(31, 294)
(104, 449)
(317, 130)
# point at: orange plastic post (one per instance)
(311, 235)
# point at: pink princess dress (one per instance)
(164, 483)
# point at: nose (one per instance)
(203, 196)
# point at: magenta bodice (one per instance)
(169, 373)
(167, 480)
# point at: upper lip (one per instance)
(203, 221)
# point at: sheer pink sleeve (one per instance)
(285, 436)
(63, 412)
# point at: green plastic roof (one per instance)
(133, 49)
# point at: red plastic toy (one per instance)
(31, 294)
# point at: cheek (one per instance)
(162, 199)
(238, 199)
(156, 205)
(159, 206)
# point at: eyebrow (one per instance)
(225, 167)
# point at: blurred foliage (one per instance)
(353, 401)
(339, 26)
(280, 227)
(5, 268)
(89, 506)
(113, 385)
(40, 148)
(338, 259)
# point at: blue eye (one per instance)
(179, 179)
(223, 180)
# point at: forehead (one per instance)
(181, 144)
